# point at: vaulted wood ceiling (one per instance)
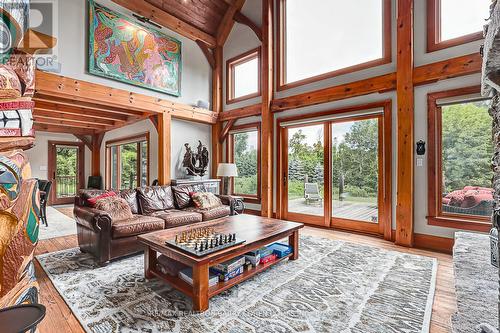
(206, 15)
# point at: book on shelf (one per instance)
(230, 265)
(264, 251)
(254, 258)
(187, 275)
(268, 259)
(224, 277)
(281, 250)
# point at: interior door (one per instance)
(305, 179)
(65, 170)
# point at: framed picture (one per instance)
(133, 53)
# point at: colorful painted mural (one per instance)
(132, 53)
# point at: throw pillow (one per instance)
(116, 207)
(92, 201)
(206, 200)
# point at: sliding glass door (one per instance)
(305, 173)
(335, 172)
(355, 168)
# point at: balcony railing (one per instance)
(66, 186)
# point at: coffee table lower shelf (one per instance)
(220, 287)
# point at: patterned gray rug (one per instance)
(333, 287)
(476, 283)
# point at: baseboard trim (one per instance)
(434, 243)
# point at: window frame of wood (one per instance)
(434, 168)
(434, 42)
(138, 139)
(230, 75)
(252, 127)
(281, 50)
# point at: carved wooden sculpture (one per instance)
(19, 196)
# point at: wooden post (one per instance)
(164, 154)
(217, 107)
(266, 161)
(405, 115)
(96, 154)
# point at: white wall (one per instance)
(72, 53)
(38, 155)
(241, 40)
(182, 132)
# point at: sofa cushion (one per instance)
(211, 213)
(175, 218)
(182, 194)
(155, 198)
(130, 197)
(115, 206)
(137, 225)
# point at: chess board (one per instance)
(202, 241)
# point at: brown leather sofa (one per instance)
(153, 208)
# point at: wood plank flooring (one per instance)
(60, 319)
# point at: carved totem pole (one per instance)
(19, 196)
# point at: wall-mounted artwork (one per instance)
(132, 53)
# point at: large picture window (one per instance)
(244, 151)
(243, 77)
(127, 163)
(321, 39)
(461, 147)
(455, 22)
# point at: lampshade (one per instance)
(227, 170)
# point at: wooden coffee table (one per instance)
(257, 231)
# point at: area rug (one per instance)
(59, 225)
(333, 287)
(476, 283)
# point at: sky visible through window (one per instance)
(246, 78)
(323, 36)
(463, 17)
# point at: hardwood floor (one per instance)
(60, 319)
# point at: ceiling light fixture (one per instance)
(144, 19)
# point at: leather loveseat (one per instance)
(153, 208)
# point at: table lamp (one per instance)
(227, 170)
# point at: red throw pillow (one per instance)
(474, 198)
(92, 201)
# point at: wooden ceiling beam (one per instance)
(207, 53)
(373, 85)
(80, 103)
(68, 123)
(59, 89)
(226, 129)
(69, 108)
(244, 112)
(245, 20)
(227, 22)
(87, 141)
(62, 129)
(73, 117)
(447, 69)
(161, 17)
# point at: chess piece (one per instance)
(234, 237)
(196, 246)
(211, 243)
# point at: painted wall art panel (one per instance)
(132, 53)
